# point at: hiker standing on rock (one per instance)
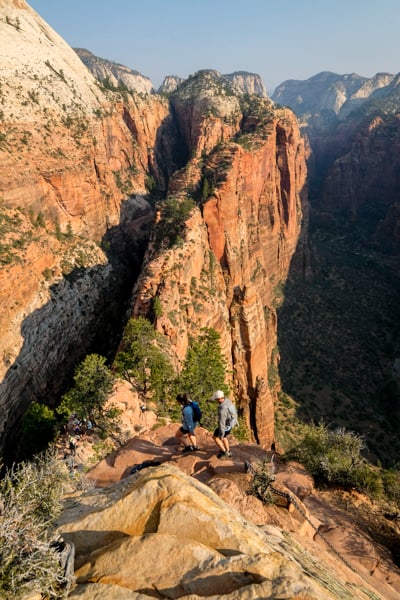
(188, 424)
(227, 419)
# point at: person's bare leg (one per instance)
(220, 443)
(226, 444)
(192, 439)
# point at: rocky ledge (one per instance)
(187, 528)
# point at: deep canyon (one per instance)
(297, 273)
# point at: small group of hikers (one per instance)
(191, 415)
(75, 430)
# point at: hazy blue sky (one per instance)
(289, 39)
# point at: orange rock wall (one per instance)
(81, 182)
(229, 272)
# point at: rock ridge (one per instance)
(192, 513)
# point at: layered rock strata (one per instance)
(229, 271)
(75, 159)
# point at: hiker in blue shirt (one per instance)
(188, 424)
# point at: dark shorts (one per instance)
(227, 432)
(183, 430)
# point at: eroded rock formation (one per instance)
(76, 162)
(161, 530)
(230, 270)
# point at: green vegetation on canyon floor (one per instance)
(339, 337)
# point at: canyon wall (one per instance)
(339, 331)
(77, 164)
(230, 269)
(74, 163)
(364, 179)
(353, 126)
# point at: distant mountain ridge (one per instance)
(103, 69)
(327, 91)
(242, 82)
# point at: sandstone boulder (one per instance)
(162, 533)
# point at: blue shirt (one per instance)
(187, 418)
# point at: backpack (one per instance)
(233, 417)
(197, 414)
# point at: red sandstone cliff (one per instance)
(74, 161)
(230, 270)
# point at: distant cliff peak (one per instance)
(206, 82)
(328, 91)
(170, 84)
(248, 83)
(239, 82)
(103, 69)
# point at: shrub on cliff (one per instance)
(30, 500)
(334, 458)
(38, 429)
(173, 214)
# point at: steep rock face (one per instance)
(248, 83)
(229, 272)
(114, 74)
(365, 178)
(72, 159)
(254, 223)
(170, 84)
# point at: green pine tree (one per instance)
(204, 371)
(143, 362)
(93, 382)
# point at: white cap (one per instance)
(218, 395)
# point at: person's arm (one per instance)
(188, 414)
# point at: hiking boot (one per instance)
(188, 449)
(223, 455)
(194, 448)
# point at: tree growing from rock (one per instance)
(143, 361)
(93, 382)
